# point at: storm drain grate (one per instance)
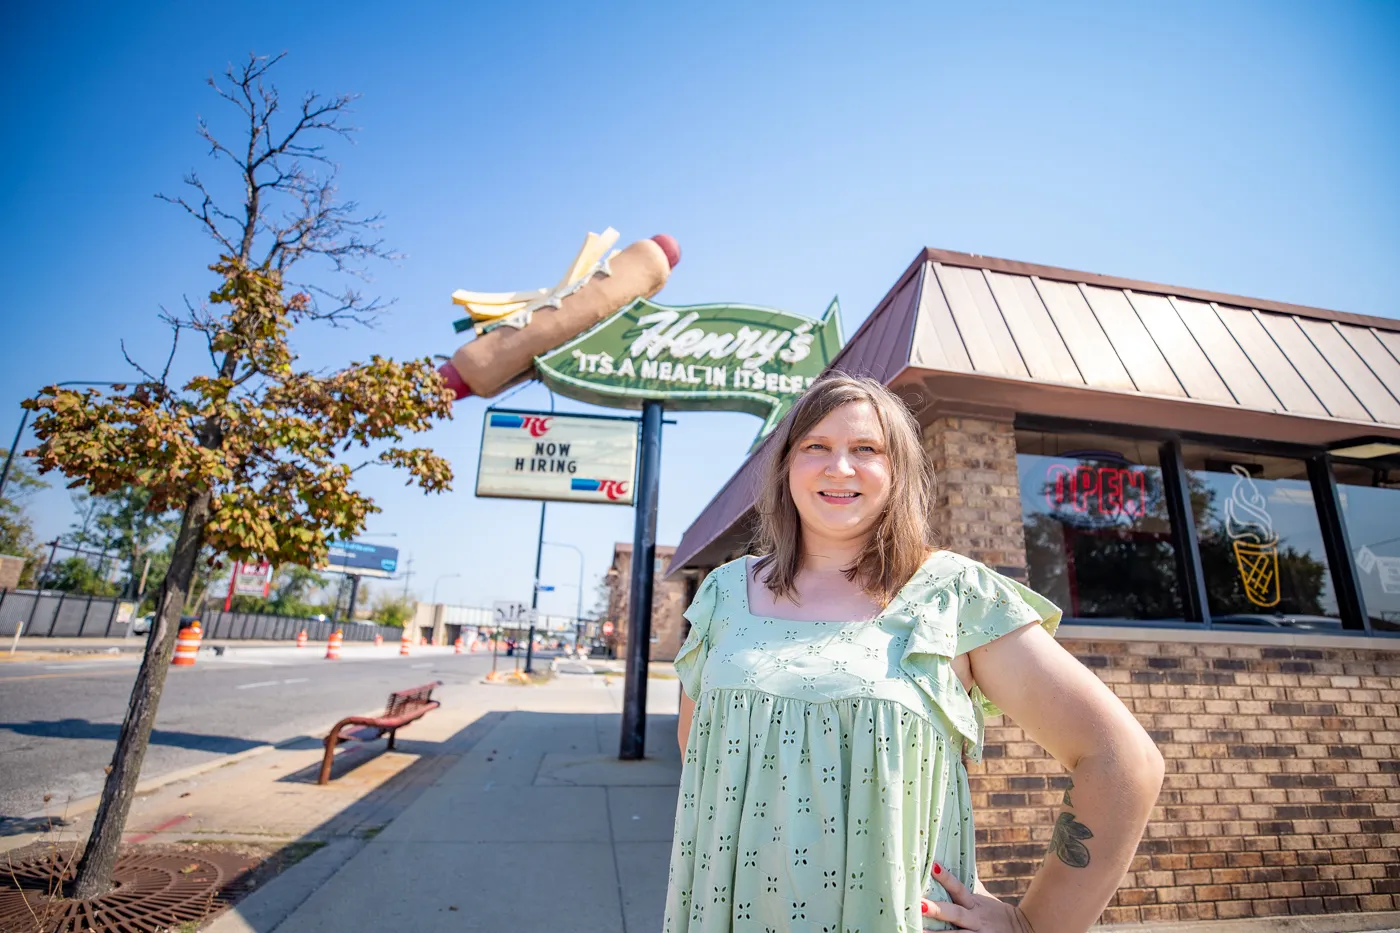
(151, 892)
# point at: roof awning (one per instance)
(999, 335)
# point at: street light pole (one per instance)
(535, 597)
(578, 614)
(446, 576)
(24, 419)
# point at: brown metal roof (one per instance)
(960, 329)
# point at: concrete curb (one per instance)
(86, 804)
(264, 909)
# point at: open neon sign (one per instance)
(1098, 493)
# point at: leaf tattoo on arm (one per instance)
(1067, 839)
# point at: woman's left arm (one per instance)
(1115, 772)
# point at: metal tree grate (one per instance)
(150, 893)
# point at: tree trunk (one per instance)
(95, 870)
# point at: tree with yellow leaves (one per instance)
(252, 453)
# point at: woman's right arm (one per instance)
(683, 726)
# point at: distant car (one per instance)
(144, 624)
(1279, 620)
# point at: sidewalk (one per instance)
(537, 826)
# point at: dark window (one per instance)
(1260, 540)
(1370, 499)
(1098, 536)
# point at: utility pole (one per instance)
(407, 572)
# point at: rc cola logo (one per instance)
(614, 489)
(537, 426)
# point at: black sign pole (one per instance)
(354, 596)
(634, 703)
(534, 596)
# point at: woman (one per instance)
(833, 686)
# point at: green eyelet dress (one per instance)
(823, 774)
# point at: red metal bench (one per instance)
(404, 707)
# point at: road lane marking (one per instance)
(74, 674)
(261, 683)
(297, 680)
(429, 664)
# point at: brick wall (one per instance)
(669, 600)
(1282, 789)
(11, 569)
(977, 500)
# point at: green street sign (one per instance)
(715, 357)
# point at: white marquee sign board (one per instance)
(560, 458)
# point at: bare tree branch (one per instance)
(174, 345)
(137, 366)
(208, 213)
(291, 210)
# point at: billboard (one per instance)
(363, 560)
(561, 458)
(252, 579)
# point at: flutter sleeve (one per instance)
(690, 660)
(992, 605)
(953, 614)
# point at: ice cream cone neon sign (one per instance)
(1255, 543)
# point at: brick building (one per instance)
(1209, 486)
(669, 599)
(11, 569)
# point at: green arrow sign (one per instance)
(697, 358)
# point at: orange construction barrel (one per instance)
(333, 646)
(186, 646)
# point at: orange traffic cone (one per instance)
(379, 641)
(405, 643)
(457, 645)
(301, 639)
(186, 646)
(333, 646)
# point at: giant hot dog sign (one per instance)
(598, 338)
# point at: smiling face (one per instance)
(839, 474)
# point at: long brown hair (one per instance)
(900, 541)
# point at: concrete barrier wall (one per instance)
(59, 614)
(66, 615)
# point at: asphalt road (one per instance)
(59, 720)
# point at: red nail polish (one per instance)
(925, 907)
(937, 869)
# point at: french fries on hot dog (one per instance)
(512, 328)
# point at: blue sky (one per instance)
(796, 151)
